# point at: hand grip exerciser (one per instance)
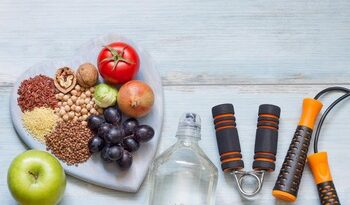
(229, 145)
(287, 184)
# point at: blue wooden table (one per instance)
(208, 52)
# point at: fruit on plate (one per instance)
(118, 63)
(144, 133)
(116, 140)
(135, 98)
(105, 95)
(36, 177)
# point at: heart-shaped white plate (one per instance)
(94, 170)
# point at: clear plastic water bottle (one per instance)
(183, 174)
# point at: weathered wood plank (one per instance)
(193, 41)
(200, 99)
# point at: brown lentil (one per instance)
(69, 142)
(38, 91)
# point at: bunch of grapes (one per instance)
(116, 139)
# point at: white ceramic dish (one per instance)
(94, 170)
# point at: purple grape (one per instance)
(113, 115)
(131, 144)
(125, 161)
(95, 121)
(96, 144)
(129, 126)
(115, 152)
(104, 155)
(144, 133)
(104, 129)
(114, 135)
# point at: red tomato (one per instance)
(118, 63)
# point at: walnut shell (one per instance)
(65, 80)
(87, 75)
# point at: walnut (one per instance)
(87, 75)
(65, 79)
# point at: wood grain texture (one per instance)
(208, 52)
(246, 99)
(193, 41)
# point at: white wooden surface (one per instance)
(208, 52)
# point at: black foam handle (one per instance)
(327, 193)
(292, 168)
(266, 138)
(227, 137)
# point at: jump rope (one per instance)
(288, 181)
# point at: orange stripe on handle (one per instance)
(229, 153)
(230, 160)
(223, 121)
(225, 127)
(265, 159)
(224, 115)
(267, 127)
(268, 115)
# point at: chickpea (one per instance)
(74, 92)
(71, 115)
(99, 110)
(74, 98)
(84, 117)
(87, 100)
(92, 89)
(70, 102)
(65, 117)
(62, 112)
(92, 102)
(60, 96)
(93, 111)
(84, 111)
(77, 109)
(65, 97)
(75, 118)
(83, 96)
(57, 110)
(59, 104)
(64, 104)
(84, 123)
(88, 93)
(73, 107)
(78, 114)
(77, 87)
(80, 118)
(67, 108)
(88, 106)
(78, 102)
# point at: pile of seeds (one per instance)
(77, 105)
(39, 122)
(69, 142)
(38, 91)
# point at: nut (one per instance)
(87, 75)
(65, 80)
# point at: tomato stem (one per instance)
(116, 57)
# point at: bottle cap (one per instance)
(189, 125)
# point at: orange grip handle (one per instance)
(319, 166)
(311, 109)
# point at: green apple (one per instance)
(36, 178)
